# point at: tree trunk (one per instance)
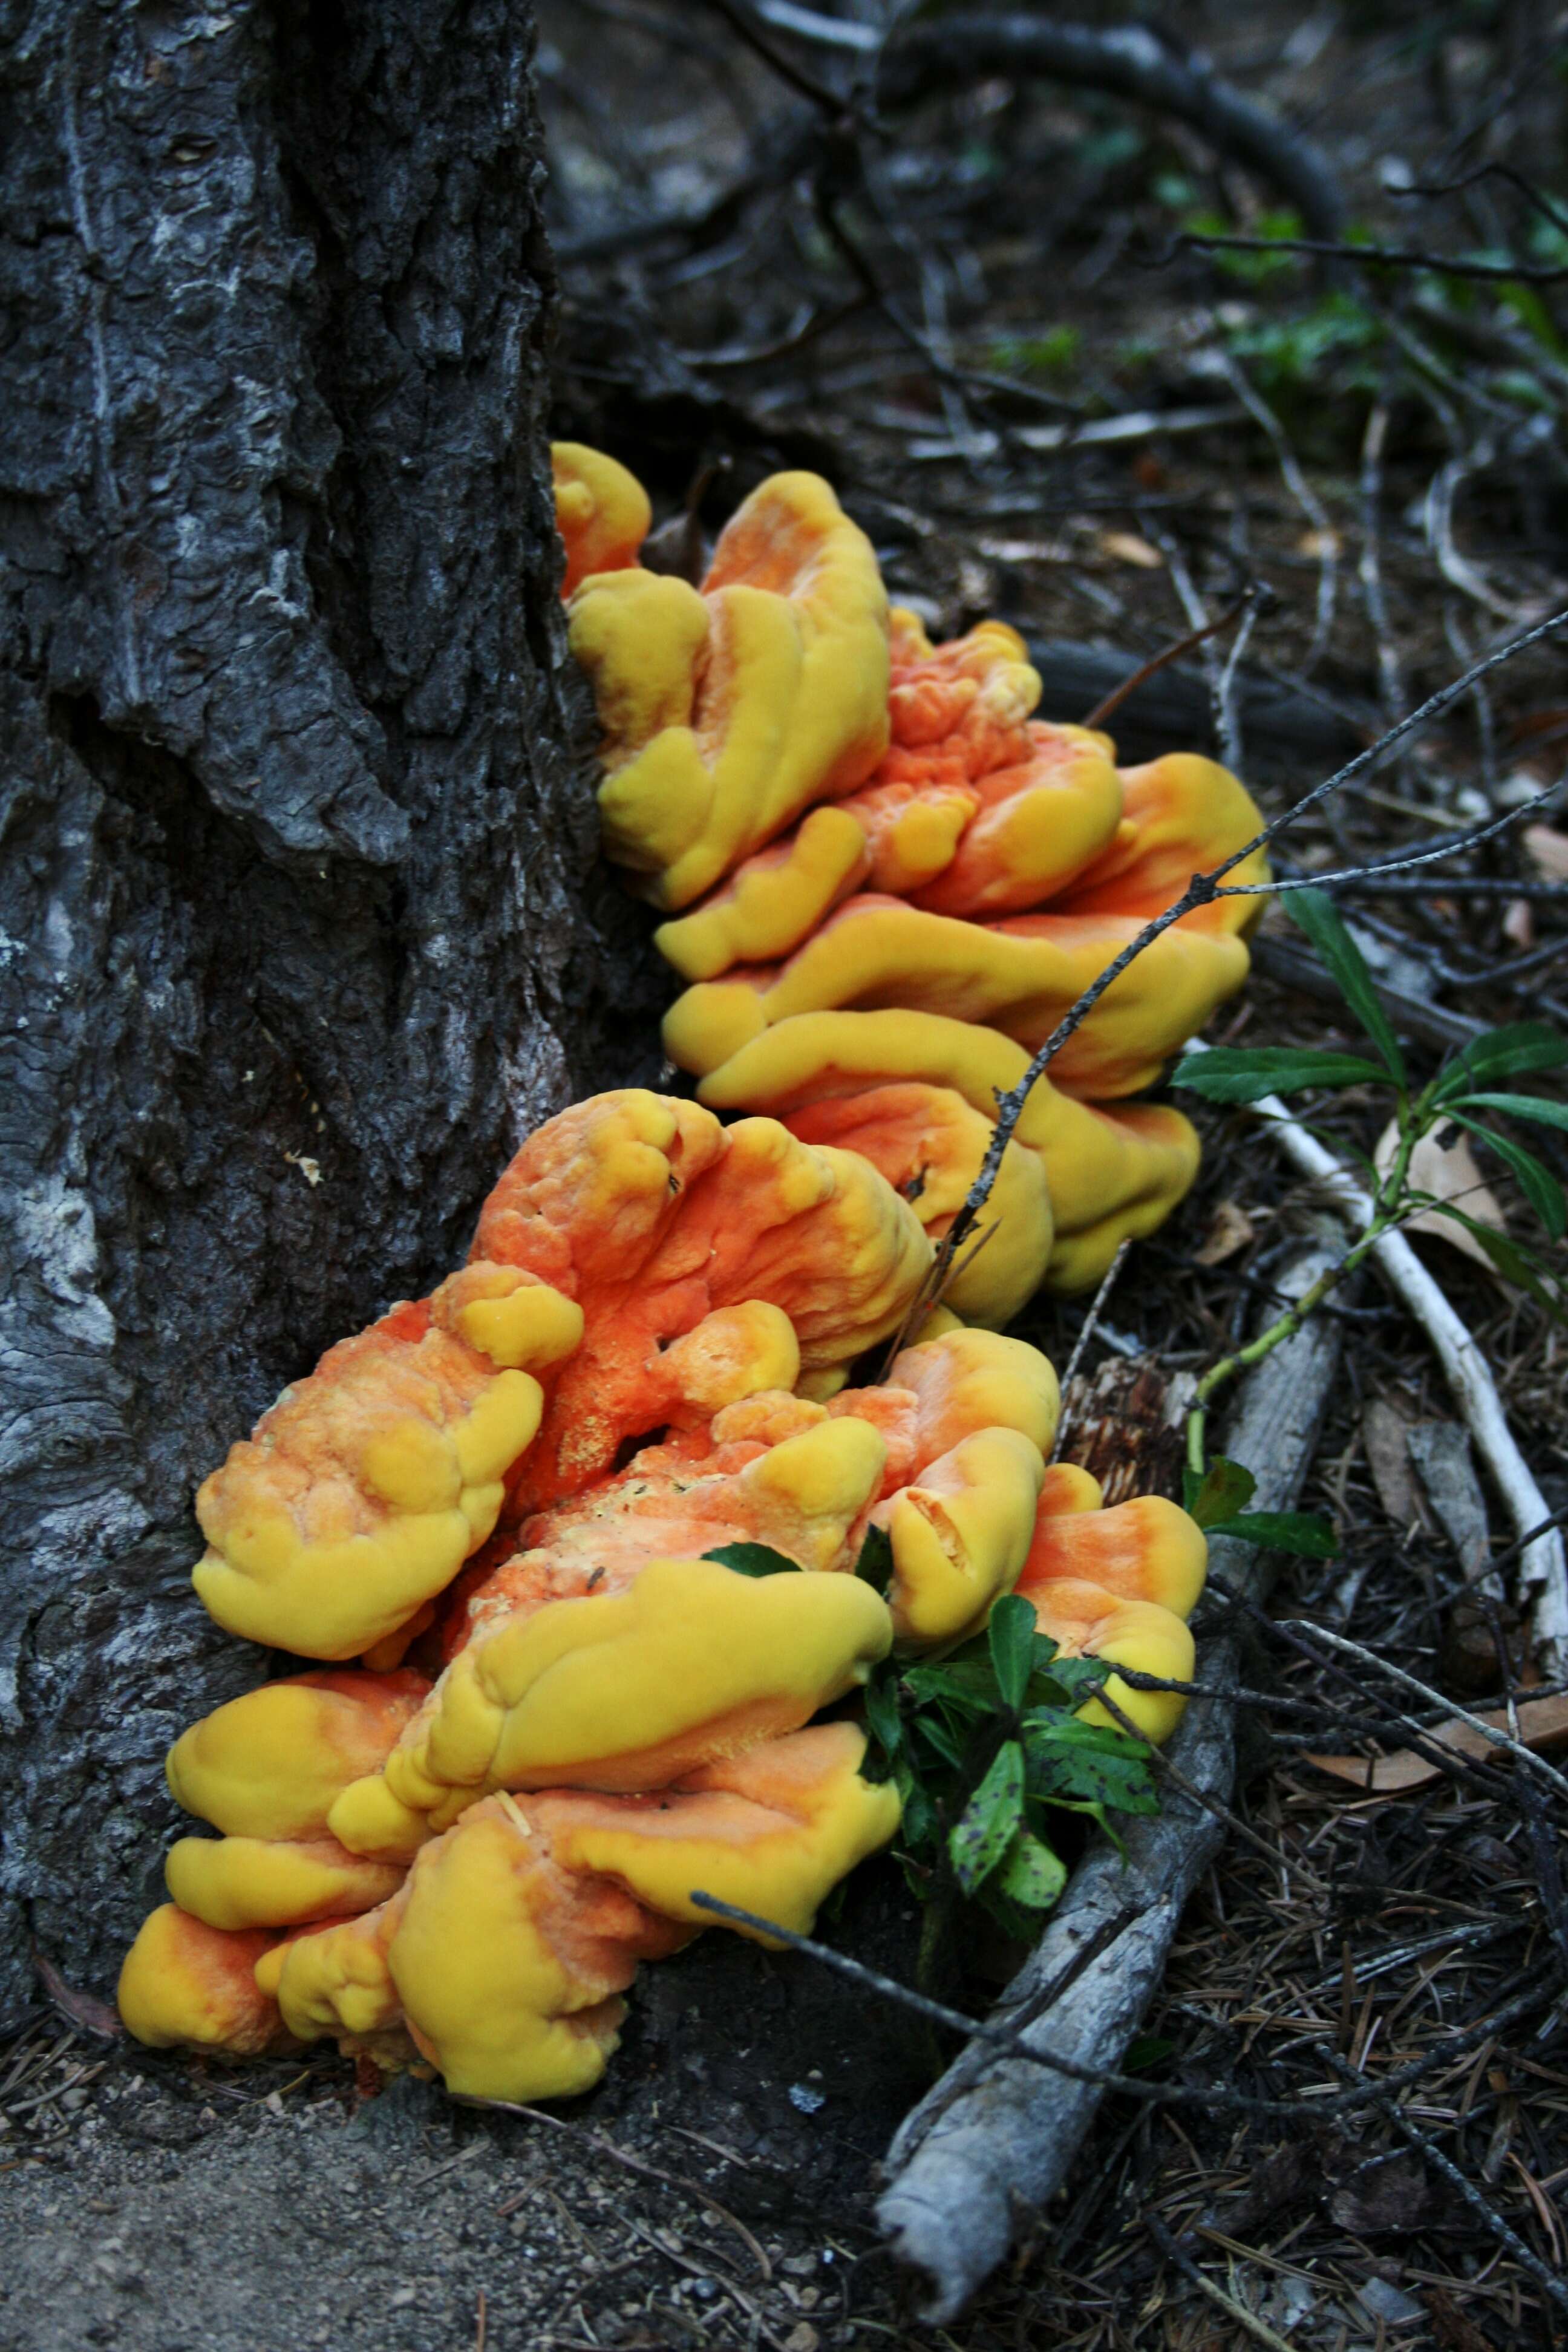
(297, 932)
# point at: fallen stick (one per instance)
(1543, 1568)
(994, 2140)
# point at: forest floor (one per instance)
(1382, 452)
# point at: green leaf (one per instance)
(1030, 1874)
(1147, 2050)
(985, 1827)
(883, 1720)
(936, 1735)
(1236, 1073)
(1302, 1532)
(1090, 1763)
(919, 1823)
(755, 1559)
(1010, 1631)
(1508, 1053)
(1066, 1682)
(1535, 1107)
(1315, 913)
(968, 1685)
(1537, 1182)
(875, 1565)
(1224, 1489)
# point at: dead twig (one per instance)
(1112, 702)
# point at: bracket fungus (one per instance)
(729, 710)
(594, 1516)
(638, 1265)
(978, 867)
(459, 1864)
(643, 1278)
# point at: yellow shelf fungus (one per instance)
(602, 512)
(1019, 976)
(267, 1770)
(638, 1265)
(1116, 1584)
(657, 1218)
(503, 1954)
(727, 711)
(886, 879)
(367, 1485)
(984, 867)
(864, 1080)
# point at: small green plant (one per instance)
(983, 1746)
(1250, 268)
(1046, 354)
(1466, 1092)
(1295, 354)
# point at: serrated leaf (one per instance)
(1224, 1489)
(1066, 1682)
(1030, 1874)
(1010, 1635)
(1302, 1532)
(1536, 1181)
(755, 1559)
(1314, 912)
(875, 1565)
(1508, 1053)
(1086, 1763)
(984, 1829)
(1532, 1106)
(1236, 1074)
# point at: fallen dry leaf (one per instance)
(1126, 547)
(1387, 1447)
(84, 2010)
(1548, 850)
(1542, 1723)
(1449, 1173)
(1230, 1229)
(1451, 2331)
(1518, 923)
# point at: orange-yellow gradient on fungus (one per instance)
(504, 1955)
(602, 512)
(975, 810)
(638, 1265)
(368, 1483)
(1020, 976)
(729, 710)
(660, 1221)
(1118, 1584)
(266, 1770)
(611, 1650)
(1112, 1171)
(987, 869)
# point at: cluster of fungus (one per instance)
(504, 1532)
(885, 880)
(542, 1708)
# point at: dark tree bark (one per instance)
(297, 932)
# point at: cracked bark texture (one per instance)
(299, 934)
